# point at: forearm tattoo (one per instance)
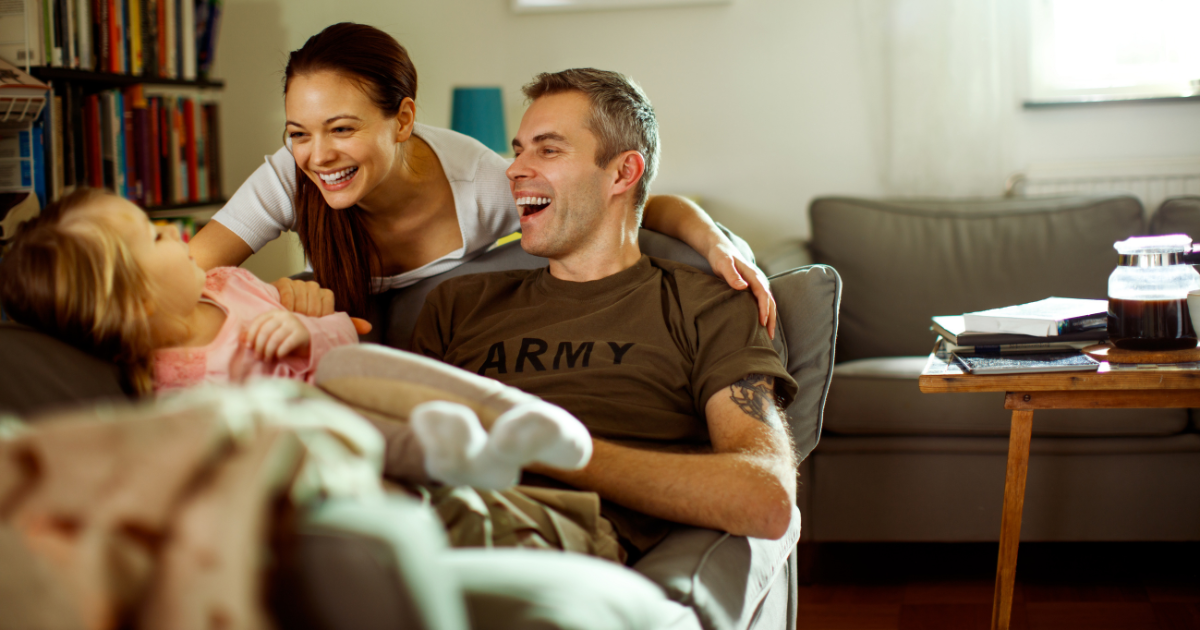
(755, 396)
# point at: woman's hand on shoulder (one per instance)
(309, 298)
(728, 263)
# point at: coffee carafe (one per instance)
(1147, 293)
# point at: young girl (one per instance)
(93, 271)
(96, 273)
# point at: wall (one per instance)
(763, 104)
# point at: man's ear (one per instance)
(630, 168)
(405, 119)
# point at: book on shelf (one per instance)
(160, 38)
(1074, 361)
(151, 144)
(1050, 317)
(953, 329)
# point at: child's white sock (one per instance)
(459, 452)
(452, 438)
(540, 432)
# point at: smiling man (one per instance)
(666, 365)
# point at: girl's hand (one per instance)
(308, 298)
(276, 334)
(728, 263)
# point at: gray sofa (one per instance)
(898, 465)
(355, 566)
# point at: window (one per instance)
(1101, 50)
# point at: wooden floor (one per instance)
(1152, 586)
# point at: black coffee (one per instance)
(1150, 324)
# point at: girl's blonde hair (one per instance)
(74, 278)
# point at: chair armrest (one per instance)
(357, 565)
(785, 257)
(721, 576)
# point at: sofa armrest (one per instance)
(39, 374)
(722, 577)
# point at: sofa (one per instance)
(897, 465)
(375, 566)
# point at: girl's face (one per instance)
(346, 145)
(176, 281)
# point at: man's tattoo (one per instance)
(755, 396)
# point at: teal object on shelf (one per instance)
(479, 112)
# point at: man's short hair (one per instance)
(621, 118)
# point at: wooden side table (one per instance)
(1103, 389)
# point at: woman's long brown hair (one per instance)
(338, 243)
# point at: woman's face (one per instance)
(344, 143)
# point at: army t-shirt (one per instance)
(635, 356)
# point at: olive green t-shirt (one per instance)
(635, 356)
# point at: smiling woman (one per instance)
(381, 201)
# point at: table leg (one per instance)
(1010, 523)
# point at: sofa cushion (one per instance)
(1177, 215)
(881, 397)
(904, 261)
(40, 373)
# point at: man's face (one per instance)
(558, 188)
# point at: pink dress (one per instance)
(244, 297)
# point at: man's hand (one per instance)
(309, 298)
(276, 334)
(729, 264)
(745, 486)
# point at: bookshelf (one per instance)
(132, 107)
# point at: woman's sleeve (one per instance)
(262, 207)
(497, 214)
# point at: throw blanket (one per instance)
(159, 515)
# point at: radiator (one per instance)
(1151, 180)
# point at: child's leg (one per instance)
(404, 385)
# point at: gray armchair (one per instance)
(726, 581)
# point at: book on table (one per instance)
(1051, 317)
(956, 336)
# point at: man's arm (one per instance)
(745, 486)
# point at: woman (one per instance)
(428, 199)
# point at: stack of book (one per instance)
(155, 145)
(1042, 336)
(172, 39)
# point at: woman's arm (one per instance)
(681, 218)
(218, 246)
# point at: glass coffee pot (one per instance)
(1147, 293)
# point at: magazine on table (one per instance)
(1029, 363)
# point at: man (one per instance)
(668, 367)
